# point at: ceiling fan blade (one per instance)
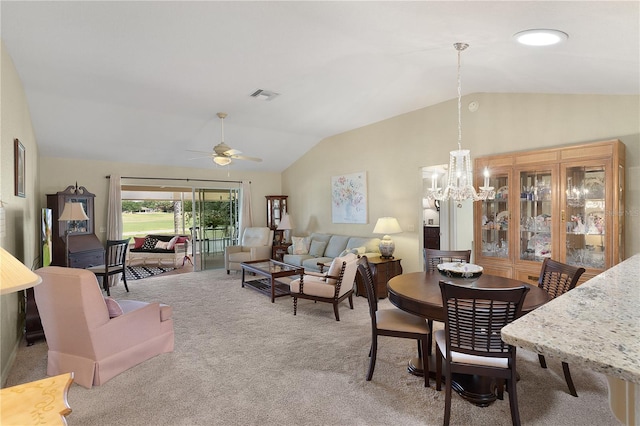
(231, 152)
(244, 157)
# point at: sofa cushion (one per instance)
(298, 260)
(149, 243)
(300, 245)
(172, 243)
(312, 263)
(317, 248)
(371, 245)
(138, 242)
(337, 243)
(164, 245)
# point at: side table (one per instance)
(279, 250)
(382, 270)
(40, 402)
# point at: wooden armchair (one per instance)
(333, 287)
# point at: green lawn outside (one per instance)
(141, 224)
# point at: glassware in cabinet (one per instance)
(535, 210)
(495, 218)
(584, 211)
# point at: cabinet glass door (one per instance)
(584, 204)
(535, 215)
(495, 219)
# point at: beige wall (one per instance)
(62, 172)
(393, 151)
(22, 214)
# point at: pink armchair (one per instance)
(81, 336)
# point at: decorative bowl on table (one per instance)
(460, 270)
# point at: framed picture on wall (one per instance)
(349, 198)
(19, 167)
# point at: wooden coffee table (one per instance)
(270, 270)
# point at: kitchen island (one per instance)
(597, 326)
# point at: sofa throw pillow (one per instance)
(300, 245)
(114, 307)
(347, 251)
(317, 248)
(181, 240)
(164, 245)
(149, 243)
(138, 242)
(172, 243)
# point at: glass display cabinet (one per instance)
(276, 208)
(566, 203)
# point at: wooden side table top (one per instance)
(43, 402)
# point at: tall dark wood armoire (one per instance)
(85, 249)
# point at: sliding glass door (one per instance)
(215, 225)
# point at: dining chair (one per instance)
(557, 278)
(392, 322)
(470, 342)
(115, 257)
(433, 257)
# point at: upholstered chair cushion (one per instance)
(255, 237)
(441, 341)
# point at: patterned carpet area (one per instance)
(139, 272)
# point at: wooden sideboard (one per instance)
(382, 270)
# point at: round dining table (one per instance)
(419, 293)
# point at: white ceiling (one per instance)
(143, 81)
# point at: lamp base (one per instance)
(387, 247)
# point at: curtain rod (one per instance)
(180, 179)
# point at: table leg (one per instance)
(273, 290)
(242, 278)
(478, 390)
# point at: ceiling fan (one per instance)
(222, 153)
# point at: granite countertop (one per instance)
(596, 325)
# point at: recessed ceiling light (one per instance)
(540, 37)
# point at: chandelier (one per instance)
(460, 177)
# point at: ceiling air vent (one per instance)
(264, 95)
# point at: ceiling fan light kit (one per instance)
(223, 154)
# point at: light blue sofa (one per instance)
(335, 245)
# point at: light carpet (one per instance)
(242, 360)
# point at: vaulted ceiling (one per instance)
(142, 81)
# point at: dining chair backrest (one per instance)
(116, 254)
(367, 280)
(433, 257)
(475, 316)
(557, 278)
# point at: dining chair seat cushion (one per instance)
(397, 320)
(461, 358)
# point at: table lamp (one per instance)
(286, 226)
(386, 226)
(71, 212)
(14, 276)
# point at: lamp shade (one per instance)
(285, 223)
(387, 225)
(73, 211)
(14, 276)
